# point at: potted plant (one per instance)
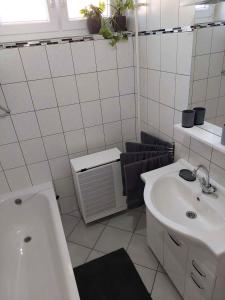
(119, 20)
(94, 17)
(108, 34)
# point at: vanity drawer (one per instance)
(175, 259)
(201, 273)
(194, 289)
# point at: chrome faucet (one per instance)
(207, 187)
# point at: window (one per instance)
(74, 7)
(23, 11)
(70, 13)
(203, 12)
(201, 7)
(40, 18)
(26, 16)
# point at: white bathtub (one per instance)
(39, 269)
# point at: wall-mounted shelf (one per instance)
(203, 136)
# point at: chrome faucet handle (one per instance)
(194, 173)
(206, 186)
(211, 189)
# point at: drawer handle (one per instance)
(196, 282)
(197, 268)
(176, 242)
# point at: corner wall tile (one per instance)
(18, 178)
(89, 80)
(11, 156)
(33, 150)
(105, 62)
(55, 145)
(169, 52)
(18, 97)
(66, 90)
(49, 121)
(11, 66)
(60, 59)
(125, 53)
(35, 62)
(42, 93)
(95, 137)
(40, 172)
(83, 57)
(71, 117)
(108, 84)
(91, 112)
(4, 187)
(26, 126)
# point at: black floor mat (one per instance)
(110, 277)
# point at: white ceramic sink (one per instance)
(169, 198)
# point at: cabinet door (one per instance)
(155, 236)
(194, 290)
(201, 273)
(175, 259)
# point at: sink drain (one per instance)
(18, 201)
(191, 215)
(27, 239)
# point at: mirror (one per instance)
(207, 87)
(209, 12)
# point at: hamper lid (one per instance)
(94, 160)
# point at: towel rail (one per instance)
(5, 110)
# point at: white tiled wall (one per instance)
(66, 100)
(163, 14)
(208, 86)
(166, 88)
(165, 76)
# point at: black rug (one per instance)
(110, 277)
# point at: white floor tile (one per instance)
(105, 220)
(141, 227)
(94, 254)
(141, 209)
(75, 213)
(164, 289)
(69, 222)
(160, 269)
(78, 254)
(140, 253)
(127, 221)
(147, 276)
(86, 235)
(113, 239)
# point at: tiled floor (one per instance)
(127, 230)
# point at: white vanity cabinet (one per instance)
(201, 274)
(155, 236)
(175, 259)
(191, 266)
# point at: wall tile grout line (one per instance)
(99, 92)
(35, 117)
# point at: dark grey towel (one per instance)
(134, 184)
(137, 147)
(147, 138)
(131, 157)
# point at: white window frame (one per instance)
(204, 12)
(59, 25)
(24, 28)
(67, 24)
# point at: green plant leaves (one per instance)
(93, 10)
(108, 34)
(120, 7)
